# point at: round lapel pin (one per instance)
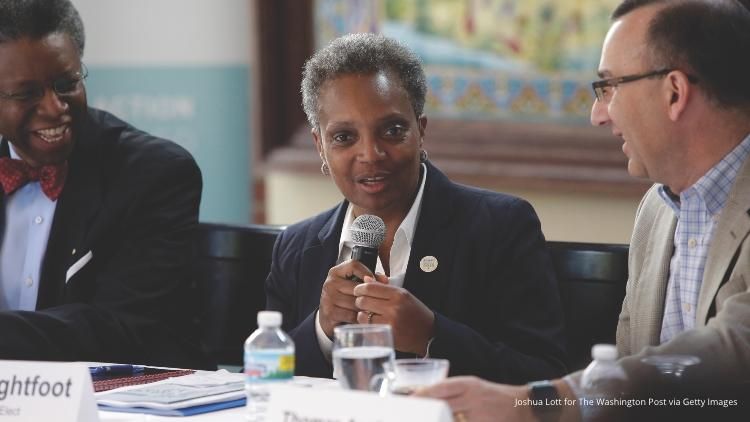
(428, 264)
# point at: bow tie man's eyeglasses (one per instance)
(63, 87)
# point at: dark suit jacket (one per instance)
(132, 201)
(494, 294)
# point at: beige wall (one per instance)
(582, 217)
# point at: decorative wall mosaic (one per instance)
(488, 59)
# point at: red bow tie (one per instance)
(16, 173)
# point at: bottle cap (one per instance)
(604, 352)
(269, 319)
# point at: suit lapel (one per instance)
(79, 203)
(658, 280)
(732, 229)
(319, 258)
(2, 214)
(647, 307)
(4, 152)
(432, 237)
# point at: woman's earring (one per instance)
(324, 169)
(423, 155)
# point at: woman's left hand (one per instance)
(411, 320)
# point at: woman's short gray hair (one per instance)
(362, 54)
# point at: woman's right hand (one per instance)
(337, 297)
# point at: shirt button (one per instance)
(692, 243)
(687, 307)
(38, 219)
(29, 282)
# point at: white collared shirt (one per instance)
(28, 220)
(399, 257)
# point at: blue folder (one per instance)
(185, 411)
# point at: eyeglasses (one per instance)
(63, 87)
(604, 94)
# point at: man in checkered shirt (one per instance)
(675, 86)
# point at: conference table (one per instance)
(305, 398)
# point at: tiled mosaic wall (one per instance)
(489, 59)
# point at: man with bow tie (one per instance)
(96, 217)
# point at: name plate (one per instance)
(290, 403)
(46, 391)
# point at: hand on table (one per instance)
(475, 400)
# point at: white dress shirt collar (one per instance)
(401, 248)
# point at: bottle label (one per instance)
(267, 366)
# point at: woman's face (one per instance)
(370, 139)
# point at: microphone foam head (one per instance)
(367, 230)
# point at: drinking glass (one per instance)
(403, 376)
(359, 352)
(671, 366)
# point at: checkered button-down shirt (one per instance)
(697, 209)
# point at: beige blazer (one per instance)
(721, 337)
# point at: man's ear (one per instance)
(678, 91)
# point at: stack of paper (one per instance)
(181, 396)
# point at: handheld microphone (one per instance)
(367, 232)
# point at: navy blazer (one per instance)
(494, 293)
(131, 200)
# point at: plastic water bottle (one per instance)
(604, 379)
(269, 358)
